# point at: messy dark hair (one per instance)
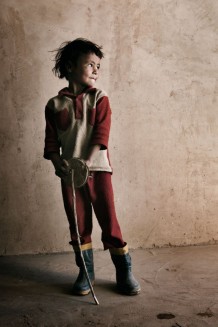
(69, 53)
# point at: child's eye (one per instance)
(92, 65)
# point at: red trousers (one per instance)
(97, 193)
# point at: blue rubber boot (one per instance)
(126, 282)
(81, 285)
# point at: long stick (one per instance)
(79, 242)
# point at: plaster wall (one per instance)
(160, 72)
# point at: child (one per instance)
(78, 122)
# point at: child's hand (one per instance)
(61, 166)
(88, 163)
(93, 150)
(62, 169)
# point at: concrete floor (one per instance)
(178, 284)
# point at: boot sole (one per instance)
(82, 293)
(136, 292)
(86, 292)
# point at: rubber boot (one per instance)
(126, 283)
(81, 285)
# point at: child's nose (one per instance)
(95, 69)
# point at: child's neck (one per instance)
(75, 88)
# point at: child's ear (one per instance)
(69, 67)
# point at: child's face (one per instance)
(86, 71)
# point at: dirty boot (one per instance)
(126, 283)
(81, 285)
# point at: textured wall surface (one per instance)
(160, 71)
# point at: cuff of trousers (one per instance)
(83, 247)
(119, 251)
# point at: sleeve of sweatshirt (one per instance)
(51, 137)
(102, 125)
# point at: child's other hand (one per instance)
(88, 163)
(62, 169)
